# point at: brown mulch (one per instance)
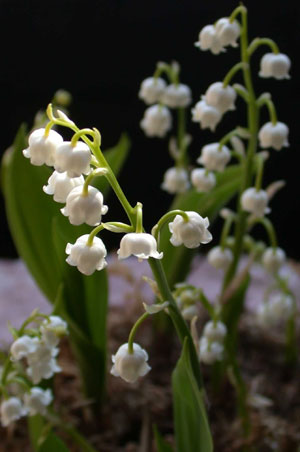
(129, 411)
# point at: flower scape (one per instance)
(203, 333)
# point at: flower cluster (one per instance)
(211, 346)
(32, 358)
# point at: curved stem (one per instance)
(80, 134)
(134, 330)
(266, 100)
(270, 230)
(225, 231)
(156, 229)
(260, 172)
(231, 73)
(139, 218)
(228, 136)
(257, 42)
(94, 233)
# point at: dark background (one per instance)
(101, 51)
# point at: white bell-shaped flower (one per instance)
(207, 115)
(177, 96)
(275, 65)
(11, 410)
(60, 185)
(138, 244)
(276, 310)
(130, 366)
(52, 329)
(75, 160)
(42, 363)
(255, 202)
(214, 158)
(208, 40)
(221, 97)
(37, 400)
(227, 32)
(151, 90)
(273, 259)
(190, 233)
(23, 346)
(189, 312)
(87, 258)
(42, 149)
(274, 135)
(215, 332)
(210, 352)
(176, 180)
(82, 208)
(203, 180)
(157, 121)
(220, 258)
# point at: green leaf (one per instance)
(192, 431)
(161, 444)
(177, 260)
(53, 443)
(36, 426)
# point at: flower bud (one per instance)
(36, 400)
(151, 90)
(210, 352)
(227, 32)
(175, 180)
(274, 135)
(275, 65)
(157, 121)
(62, 97)
(202, 180)
(215, 332)
(42, 149)
(213, 157)
(141, 245)
(130, 366)
(273, 259)
(255, 202)
(87, 258)
(190, 233)
(220, 258)
(220, 97)
(75, 160)
(23, 346)
(11, 410)
(208, 40)
(52, 328)
(60, 185)
(177, 96)
(207, 115)
(81, 208)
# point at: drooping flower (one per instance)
(275, 65)
(23, 346)
(220, 97)
(140, 244)
(75, 160)
(175, 180)
(130, 366)
(60, 185)
(208, 40)
(42, 363)
(11, 410)
(82, 208)
(220, 258)
(210, 352)
(52, 329)
(276, 310)
(157, 121)
(274, 135)
(207, 115)
(203, 180)
(37, 400)
(190, 233)
(177, 96)
(227, 32)
(42, 149)
(151, 90)
(255, 202)
(87, 258)
(213, 157)
(273, 259)
(215, 331)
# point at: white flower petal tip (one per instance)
(74, 160)
(60, 185)
(37, 400)
(220, 258)
(155, 308)
(203, 180)
(215, 332)
(255, 202)
(22, 347)
(275, 65)
(87, 258)
(177, 96)
(42, 149)
(208, 40)
(190, 233)
(221, 97)
(81, 208)
(273, 259)
(275, 311)
(176, 180)
(130, 366)
(11, 410)
(52, 329)
(157, 121)
(207, 115)
(141, 245)
(214, 158)
(227, 32)
(274, 135)
(210, 352)
(152, 89)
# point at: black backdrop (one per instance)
(102, 50)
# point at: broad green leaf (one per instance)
(161, 444)
(53, 444)
(177, 260)
(192, 431)
(36, 426)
